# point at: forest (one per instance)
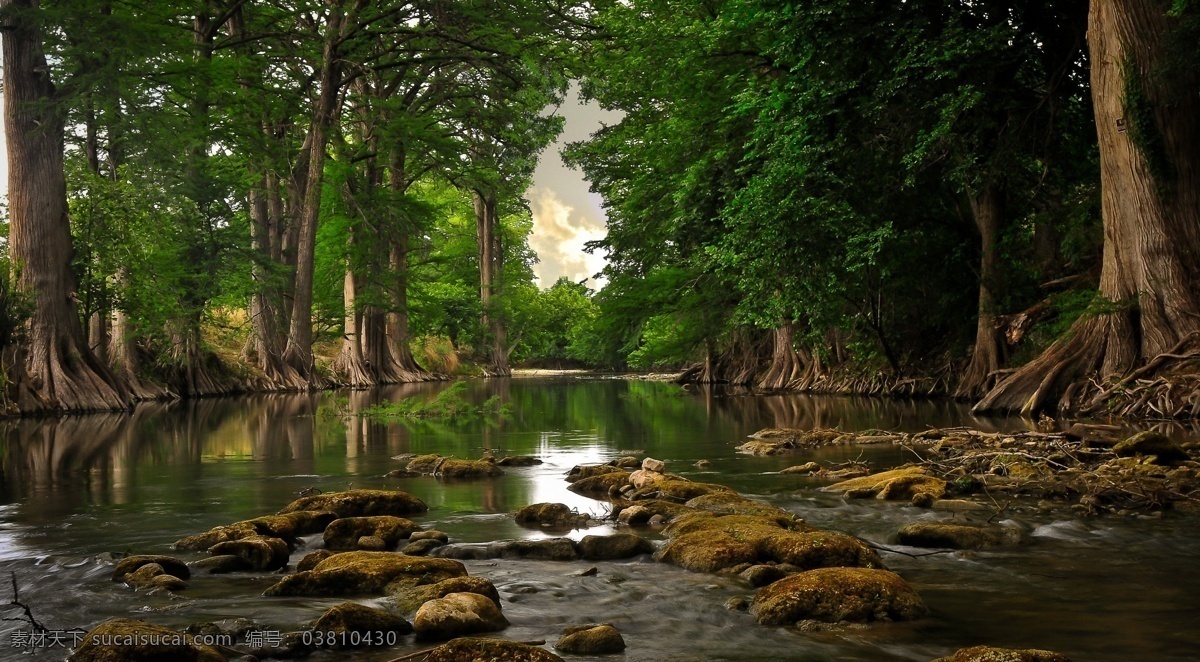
(998, 202)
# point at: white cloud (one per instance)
(559, 235)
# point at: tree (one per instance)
(63, 369)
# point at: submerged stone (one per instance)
(518, 461)
(832, 595)
(959, 536)
(733, 503)
(582, 471)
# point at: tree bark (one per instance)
(490, 264)
(62, 368)
(298, 353)
(1149, 134)
(786, 364)
(987, 208)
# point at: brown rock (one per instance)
(832, 595)
(958, 536)
(127, 640)
(617, 546)
(895, 484)
(656, 466)
(169, 565)
(555, 515)
(591, 639)
(344, 533)
(408, 599)
(806, 468)
(359, 573)
(351, 617)
(470, 649)
(258, 552)
(360, 503)
(990, 654)
(458, 614)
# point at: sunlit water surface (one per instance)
(75, 489)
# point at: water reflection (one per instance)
(75, 487)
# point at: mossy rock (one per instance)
(218, 565)
(151, 576)
(518, 461)
(833, 595)
(959, 536)
(422, 547)
(556, 515)
(311, 559)
(762, 447)
(343, 533)
(616, 546)
(591, 639)
(127, 640)
(897, 484)
(641, 512)
(708, 551)
(362, 573)
(601, 483)
(464, 469)
(169, 564)
(819, 549)
(351, 617)
(408, 599)
(258, 552)
(286, 527)
(215, 535)
(471, 649)
(1156, 444)
(582, 471)
(731, 503)
(458, 614)
(743, 526)
(990, 654)
(678, 490)
(360, 503)
(425, 465)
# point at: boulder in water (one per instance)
(360, 503)
(458, 614)
(591, 639)
(832, 595)
(363, 573)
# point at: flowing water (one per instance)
(77, 490)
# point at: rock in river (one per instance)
(832, 595)
(895, 484)
(1157, 444)
(359, 573)
(958, 536)
(351, 617)
(410, 598)
(257, 552)
(592, 639)
(617, 546)
(470, 648)
(344, 533)
(458, 614)
(360, 503)
(989, 654)
(556, 515)
(127, 640)
(169, 564)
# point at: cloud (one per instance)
(559, 235)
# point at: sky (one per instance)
(565, 213)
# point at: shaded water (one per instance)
(1107, 589)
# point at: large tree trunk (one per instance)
(786, 364)
(298, 353)
(487, 228)
(987, 208)
(1149, 131)
(62, 368)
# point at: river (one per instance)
(79, 489)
